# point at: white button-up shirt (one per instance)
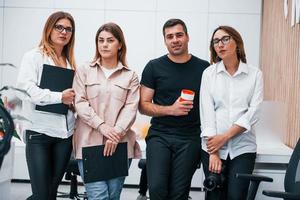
(230, 99)
(29, 78)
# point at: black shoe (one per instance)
(30, 198)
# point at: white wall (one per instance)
(1, 34)
(21, 24)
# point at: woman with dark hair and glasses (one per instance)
(230, 95)
(48, 135)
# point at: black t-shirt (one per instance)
(167, 79)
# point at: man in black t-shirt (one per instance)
(173, 140)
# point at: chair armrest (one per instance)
(254, 183)
(254, 177)
(283, 195)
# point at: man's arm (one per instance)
(147, 107)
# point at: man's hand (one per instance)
(109, 148)
(215, 163)
(68, 96)
(180, 108)
(148, 107)
(109, 132)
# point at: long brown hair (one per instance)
(240, 51)
(46, 45)
(117, 32)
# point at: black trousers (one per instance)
(47, 158)
(143, 185)
(233, 188)
(171, 163)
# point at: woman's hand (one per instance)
(215, 163)
(109, 148)
(214, 143)
(109, 132)
(68, 96)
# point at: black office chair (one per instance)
(72, 172)
(291, 180)
(7, 127)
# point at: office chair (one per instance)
(7, 128)
(72, 172)
(291, 180)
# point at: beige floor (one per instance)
(20, 191)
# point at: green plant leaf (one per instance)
(15, 134)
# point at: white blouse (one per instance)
(29, 77)
(226, 100)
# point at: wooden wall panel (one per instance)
(280, 63)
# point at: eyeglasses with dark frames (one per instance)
(225, 40)
(61, 28)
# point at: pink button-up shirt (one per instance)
(113, 100)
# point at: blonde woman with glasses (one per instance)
(230, 95)
(48, 135)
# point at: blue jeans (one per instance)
(103, 190)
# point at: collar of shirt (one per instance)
(243, 68)
(97, 63)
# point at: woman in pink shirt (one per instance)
(107, 96)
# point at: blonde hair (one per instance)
(46, 45)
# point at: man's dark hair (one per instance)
(174, 22)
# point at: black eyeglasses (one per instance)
(61, 28)
(225, 40)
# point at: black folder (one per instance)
(56, 79)
(96, 167)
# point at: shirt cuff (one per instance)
(98, 127)
(96, 122)
(57, 97)
(119, 130)
(208, 132)
(243, 123)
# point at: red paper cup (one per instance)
(187, 95)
